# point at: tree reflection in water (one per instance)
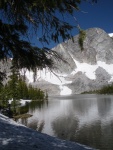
(65, 127)
(86, 119)
(32, 106)
(96, 132)
(68, 128)
(37, 104)
(36, 125)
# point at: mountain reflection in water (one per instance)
(87, 119)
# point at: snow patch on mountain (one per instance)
(89, 70)
(110, 34)
(61, 80)
(28, 74)
(50, 77)
(65, 90)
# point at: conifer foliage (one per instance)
(17, 89)
(19, 17)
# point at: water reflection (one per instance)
(36, 125)
(32, 106)
(87, 119)
(104, 106)
(24, 121)
(65, 127)
(68, 128)
(37, 105)
(90, 122)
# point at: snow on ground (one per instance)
(10, 101)
(14, 136)
(24, 101)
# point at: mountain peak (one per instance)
(85, 70)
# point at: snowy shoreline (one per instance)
(16, 136)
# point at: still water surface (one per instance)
(87, 119)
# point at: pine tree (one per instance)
(13, 84)
(22, 90)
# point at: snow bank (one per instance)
(18, 137)
(23, 101)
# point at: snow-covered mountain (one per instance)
(85, 70)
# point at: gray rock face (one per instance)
(98, 46)
(52, 89)
(62, 67)
(82, 83)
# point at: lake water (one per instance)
(87, 119)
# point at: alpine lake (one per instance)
(85, 118)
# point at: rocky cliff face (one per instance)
(86, 70)
(91, 68)
(98, 46)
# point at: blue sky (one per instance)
(96, 15)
